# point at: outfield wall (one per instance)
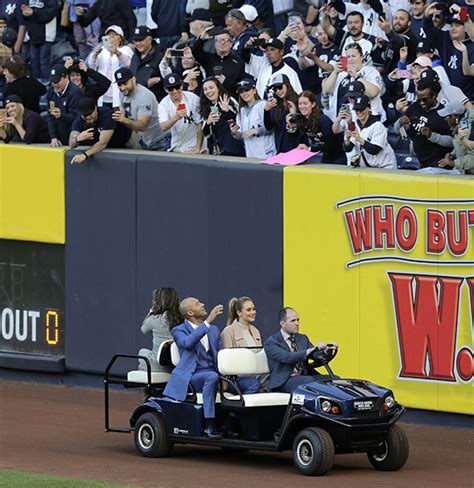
(381, 262)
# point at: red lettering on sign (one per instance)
(435, 239)
(407, 228)
(427, 324)
(360, 229)
(457, 239)
(383, 225)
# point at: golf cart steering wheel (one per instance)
(322, 357)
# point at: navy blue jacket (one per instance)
(44, 11)
(67, 102)
(170, 17)
(281, 360)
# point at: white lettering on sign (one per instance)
(18, 323)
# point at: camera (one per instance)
(295, 118)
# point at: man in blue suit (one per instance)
(198, 343)
(287, 351)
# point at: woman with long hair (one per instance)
(162, 317)
(315, 130)
(30, 90)
(81, 76)
(281, 98)
(107, 59)
(240, 332)
(218, 108)
(23, 125)
(250, 127)
(336, 84)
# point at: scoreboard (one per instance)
(31, 301)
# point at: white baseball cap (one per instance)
(116, 28)
(249, 12)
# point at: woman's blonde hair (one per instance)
(9, 128)
(236, 305)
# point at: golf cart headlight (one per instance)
(326, 406)
(389, 403)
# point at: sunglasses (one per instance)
(174, 88)
(278, 87)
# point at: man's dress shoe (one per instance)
(212, 432)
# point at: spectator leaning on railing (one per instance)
(62, 98)
(139, 112)
(95, 127)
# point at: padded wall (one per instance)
(209, 229)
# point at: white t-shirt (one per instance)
(184, 132)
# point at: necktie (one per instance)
(299, 367)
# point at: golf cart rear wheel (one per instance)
(392, 454)
(151, 439)
(313, 451)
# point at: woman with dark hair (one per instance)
(163, 316)
(315, 130)
(91, 82)
(259, 142)
(30, 90)
(281, 97)
(240, 332)
(22, 124)
(218, 109)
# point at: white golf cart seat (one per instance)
(140, 376)
(240, 362)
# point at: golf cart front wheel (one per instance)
(392, 453)
(151, 439)
(313, 452)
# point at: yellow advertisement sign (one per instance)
(32, 194)
(384, 264)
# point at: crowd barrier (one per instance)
(380, 262)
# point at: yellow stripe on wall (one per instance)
(32, 204)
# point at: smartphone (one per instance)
(259, 42)
(52, 105)
(217, 70)
(464, 14)
(343, 61)
(382, 17)
(345, 108)
(182, 106)
(293, 20)
(403, 74)
(463, 124)
(106, 42)
(214, 109)
(351, 126)
(231, 121)
(177, 53)
(3, 113)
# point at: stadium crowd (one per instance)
(369, 83)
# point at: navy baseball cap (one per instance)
(171, 80)
(362, 102)
(122, 75)
(13, 99)
(57, 72)
(140, 33)
(355, 89)
(245, 85)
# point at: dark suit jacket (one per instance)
(187, 339)
(281, 360)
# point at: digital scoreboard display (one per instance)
(31, 298)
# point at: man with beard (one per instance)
(450, 56)
(139, 112)
(262, 68)
(429, 131)
(399, 35)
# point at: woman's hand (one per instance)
(83, 66)
(69, 62)
(291, 107)
(213, 118)
(224, 103)
(192, 75)
(11, 121)
(270, 104)
(303, 146)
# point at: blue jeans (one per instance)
(40, 57)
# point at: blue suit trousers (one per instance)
(207, 382)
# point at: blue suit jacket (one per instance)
(187, 339)
(281, 360)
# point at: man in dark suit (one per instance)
(287, 351)
(198, 343)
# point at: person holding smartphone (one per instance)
(365, 140)
(179, 112)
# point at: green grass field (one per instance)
(13, 479)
